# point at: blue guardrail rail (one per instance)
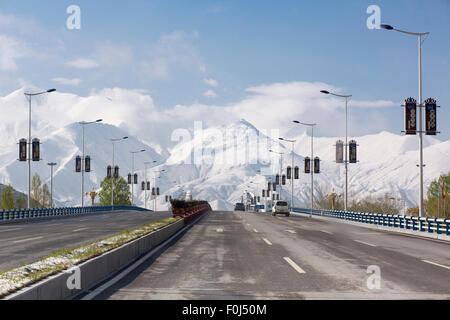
(429, 225)
(25, 214)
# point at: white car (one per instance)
(281, 207)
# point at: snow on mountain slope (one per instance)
(387, 166)
(223, 162)
(62, 146)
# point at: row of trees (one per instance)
(437, 204)
(122, 194)
(368, 204)
(40, 196)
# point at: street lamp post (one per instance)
(312, 125)
(83, 165)
(420, 41)
(281, 172)
(346, 142)
(292, 170)
(154, 186)
(145, 189)
(112, 176)
(51, 164)
(132, 173)
(29, 95)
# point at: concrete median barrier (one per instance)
(82, 277)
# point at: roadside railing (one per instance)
(36, 213)
(428, 225)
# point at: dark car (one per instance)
(239, 207)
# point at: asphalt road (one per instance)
(28, 242)
(240, 255)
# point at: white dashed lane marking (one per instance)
(254, 230)
(81, 229)
(267, 241)
(367, 244)
(11, 229)
(291, 231)
(29, 239)
(294, 265)
(436, 264)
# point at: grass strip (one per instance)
(25, 275)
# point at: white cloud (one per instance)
(11, 49)
(266, 106)
(173, 51)
(81, 63)
(210, 94)
(110, 54)
(211, 82)
(374, 104)
(19, 24)
(67, 82)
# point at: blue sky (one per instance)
(210, 52)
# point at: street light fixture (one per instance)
(154, 186)
(29, 95)
(419, 36)
(281, 171)
(83, 165)
(312, 125)
(132, 172)
(292, 168)
(146, 181)
(346, 141)
(112, 177)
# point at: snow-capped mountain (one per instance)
(62, 146)
(387, 166)
(221, 163)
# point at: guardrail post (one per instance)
(430, 225)
(438, 226)
(421, 225)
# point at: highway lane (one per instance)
(28, 242)
(241, 255)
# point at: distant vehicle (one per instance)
(239, 207)
(281, 207)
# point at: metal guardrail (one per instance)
(13, 215)
(429, 225)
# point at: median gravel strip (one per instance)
(17, 278)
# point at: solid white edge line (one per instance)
(11, 229)
(436, 264)
(128, 270)
(267, 241)
(29, 239)
(367, 244)
(294, 265)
